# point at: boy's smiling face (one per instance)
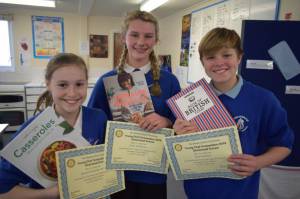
(221, 66)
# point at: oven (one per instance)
(14, 117)
(12, 106)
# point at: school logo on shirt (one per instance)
(242, 123)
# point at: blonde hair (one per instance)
(218, 38)
(58, 61)
(155, 68)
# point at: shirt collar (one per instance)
(145, 69)
(233, 93)
(78, 123)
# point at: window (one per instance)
(6, 41)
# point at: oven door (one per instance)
(12, 100)
(14, 117)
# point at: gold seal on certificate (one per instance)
(128, 147)
(82, 174)
(203, 154)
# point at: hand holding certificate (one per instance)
(203, 155)
(82, 174)
(128, 147)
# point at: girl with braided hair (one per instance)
(140, 35)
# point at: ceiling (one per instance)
(113, 8)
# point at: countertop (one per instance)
(91, 83)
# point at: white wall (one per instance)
(76, 29)
(103, 26)
(22, 28)
(170, 31)
(290, 6)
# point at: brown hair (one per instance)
(218, 38)
(155, 68)
(58, 61)
(123, 77)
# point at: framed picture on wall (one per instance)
(185, 40)
(48, 36)
(99, 46)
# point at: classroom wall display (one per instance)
(165, 62)
(185, 40)
(48, 36)
(226, 13)
(99, 46)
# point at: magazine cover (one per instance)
(33, 149)
(199, 103)
(128, 96)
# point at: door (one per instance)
(118, 47)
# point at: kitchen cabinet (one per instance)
(33, 91)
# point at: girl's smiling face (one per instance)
(140, 38)
(68, 87)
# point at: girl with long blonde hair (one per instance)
(139, 36)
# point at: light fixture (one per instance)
(150, 5)
(43, 3)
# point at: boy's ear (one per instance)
(240, 57)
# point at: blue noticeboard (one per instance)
(257, 38)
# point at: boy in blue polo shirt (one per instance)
(265, 135)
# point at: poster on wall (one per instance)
(185, 40)
(99, 46)
(165, 62)
(48, 36)
(24, 53)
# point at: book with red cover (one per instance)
(199, 103)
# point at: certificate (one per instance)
(203, 154)
(82, 174)
(128, 147)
